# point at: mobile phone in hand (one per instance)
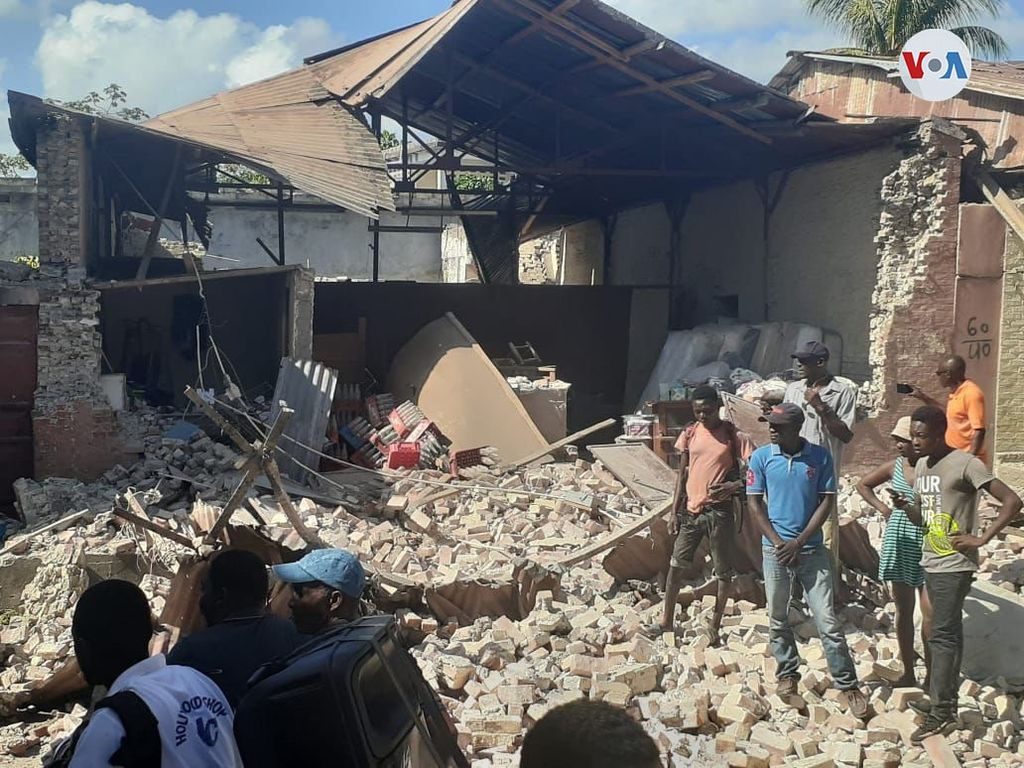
(904, 389)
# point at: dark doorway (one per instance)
(19, 327)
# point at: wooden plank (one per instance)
(670, 82)
(307, 387)
(274, 475)
(638, 468)
(158, 219)
(64, 522)
(220, 421)
(611, 540)
(996, 195)
(568, 440)
(140, 519)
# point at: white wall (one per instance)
(334, 244)
(817, 264)
(19, 225)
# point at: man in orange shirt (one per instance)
(711, 467)
(965, 407)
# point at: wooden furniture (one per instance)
(671, 417)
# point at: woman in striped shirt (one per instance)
(900, 559)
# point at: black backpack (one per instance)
(352, 697)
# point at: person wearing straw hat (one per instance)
(900, 558)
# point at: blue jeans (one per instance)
(813, 570)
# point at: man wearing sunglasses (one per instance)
(326, 587)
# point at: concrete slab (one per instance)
(993, 636)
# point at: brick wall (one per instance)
(912, 304)
(1009, 415)
(76, 433)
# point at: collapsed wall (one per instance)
(912, 305)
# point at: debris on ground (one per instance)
(473, 565)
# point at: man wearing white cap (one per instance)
(326, 587)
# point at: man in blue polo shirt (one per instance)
(791, 487)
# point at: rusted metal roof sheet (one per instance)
(290, 125)
(368, 69)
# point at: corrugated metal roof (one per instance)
(999, 78)
(290, 125)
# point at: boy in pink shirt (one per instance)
(710, 475)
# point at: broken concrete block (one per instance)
(749, 757)
(766, 736)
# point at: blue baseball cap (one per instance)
(333, 567)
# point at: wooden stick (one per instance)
(273, 474)
(610, 541)
(158, 220)
(67, 520)
(236, 436)
(253, 464)
(252, 468)
(560, 444)
(149, 525)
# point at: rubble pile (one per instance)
(585, 637)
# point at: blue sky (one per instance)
(169, 52)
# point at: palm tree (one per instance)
(882, 26)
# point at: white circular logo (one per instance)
(935, 65)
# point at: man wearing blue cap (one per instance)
(790, 488)
(326, 587)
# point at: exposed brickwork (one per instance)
(1009, 415)
(78, 439)
(76, 433)
(62, 183)
(300, 313)
(912, 319)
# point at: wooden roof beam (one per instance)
(741, 103)
(563, 7)
(537, 93)
(670, 82)
(587, 42)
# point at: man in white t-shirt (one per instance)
(154, 714)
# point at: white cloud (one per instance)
(751, 37)
(761, 59)
(164, 63)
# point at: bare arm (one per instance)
(835, 425)
(873, 479)
(926, 399)
(759, 512)
(1009, 508)
(978, 441)
(679, 496)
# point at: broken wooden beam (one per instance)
(140, 519)
(65, 521)
(560, 444)
(612, 539)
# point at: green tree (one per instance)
(388, 139)
(12, 165)
(882, 27)
(111, 102)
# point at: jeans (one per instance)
(813, 570)
(947, 592)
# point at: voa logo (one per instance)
(935, 65)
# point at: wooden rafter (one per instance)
(671, 82)
(608, 54)
(531, 27)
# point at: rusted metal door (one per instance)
(18, 331)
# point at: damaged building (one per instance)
(684, 209)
